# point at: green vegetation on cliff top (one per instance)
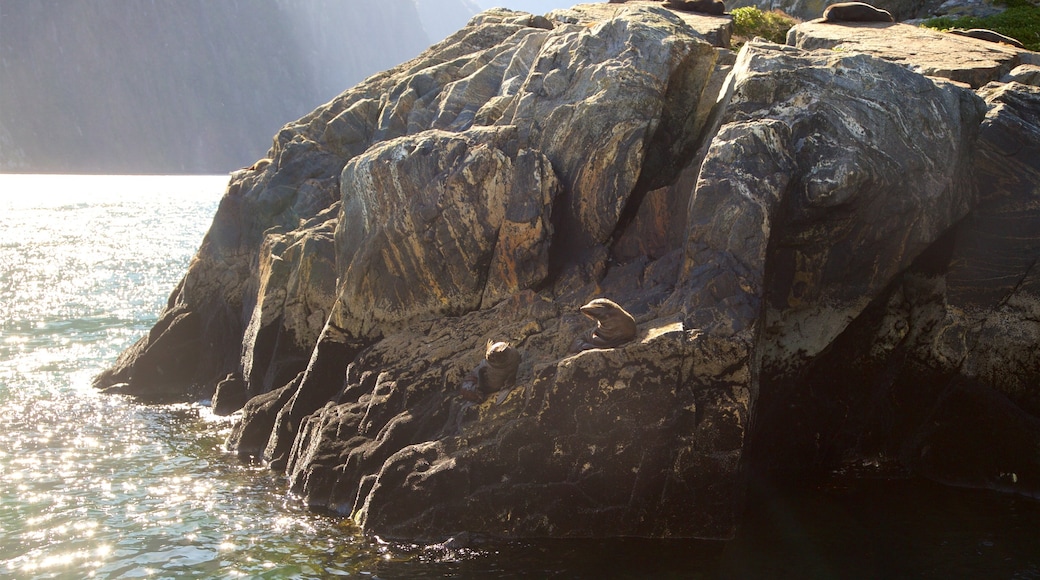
(1020, 21)
(750, 22)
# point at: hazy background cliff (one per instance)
(187, 86)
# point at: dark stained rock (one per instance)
(713, 7)
(986, 323)
(942, 365)
(249, 436)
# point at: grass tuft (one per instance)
(750, 22)
(1020, 21)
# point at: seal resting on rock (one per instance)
(496, 372)
(614, 326)
(988, 35)
(714, 7)
(855, 12)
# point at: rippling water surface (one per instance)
(103, 487)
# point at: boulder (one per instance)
(1027, 74)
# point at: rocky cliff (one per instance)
(829, 254)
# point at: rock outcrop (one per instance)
(829, 257)
(929, 52)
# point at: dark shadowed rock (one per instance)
(778, 230)
(249, 436)
(229, 396)
(297, 284)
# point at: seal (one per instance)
(988, 35)
(855, 12)
(713, 7)
(614, 326)
(496, 372)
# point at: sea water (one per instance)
(101, 486)
(106, 487)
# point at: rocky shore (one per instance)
(828, 247)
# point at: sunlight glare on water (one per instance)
(101, 486)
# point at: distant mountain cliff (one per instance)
(186, 85)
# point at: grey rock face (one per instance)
(811, 244)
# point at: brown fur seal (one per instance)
(714, 7)
(614, 326)
(855, 12)
(258, 166)
(496, 372)
(988, 35)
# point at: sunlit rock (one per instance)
(923, 50)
